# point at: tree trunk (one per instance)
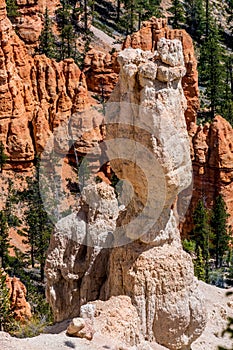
(139, 20)
(118, 9)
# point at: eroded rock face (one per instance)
(143, 270)
(212, 156)
(160, 282)
(101, 71)
(29, 24)
(76, 266)
(147, 38)
(148, 146)
(116, 318)
(36, 95)
(17, 292)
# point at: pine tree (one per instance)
(6, 314)
(47, 44)
(195, 18)
(39, 227)
(3, 156)
(118, 7)
(4, 240)
(177, 9)
(7, 220)
(211, 69)
(220, 230)
(136, 11)
(12, 220)
(12, 10)
(226, 108)
(207, 17)
(199, 265)
(67, 45)
(152, 8)
(201, 234)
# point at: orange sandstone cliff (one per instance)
(36, 95)
(17, 293)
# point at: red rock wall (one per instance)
(101, 71)
(212, 157)
(17, 292)
(36, 94)
(30, 22)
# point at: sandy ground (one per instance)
(219, 309)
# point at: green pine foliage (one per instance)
(7, 220)
(63, 45)
(47, 43)
(201, 234)
(220, 229)
(39, 227)
(67, 33)
(212, 70)
(199, 265)
(6, 314)
(148, 9)
(133, 12)
(178, 14)
(66, 45)
(189, 246)
(195, 18)
(12, 9)
(210, 239)
(12, 219)
(226, 107)
(215, 67)
(4, 240)
(3, 156)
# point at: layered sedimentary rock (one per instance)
(212, 157)
(210, 144)
(76, 268)
(36, 95)
(17, 293)
(101, 71)
(148, 147)
(29, 23)
(146, 39)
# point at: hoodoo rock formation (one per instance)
(212, 158)
(146, 39)
(211, 144)
(36, 95)
(106, 249)
(29, 23)
(102, 69)
(17, 293)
